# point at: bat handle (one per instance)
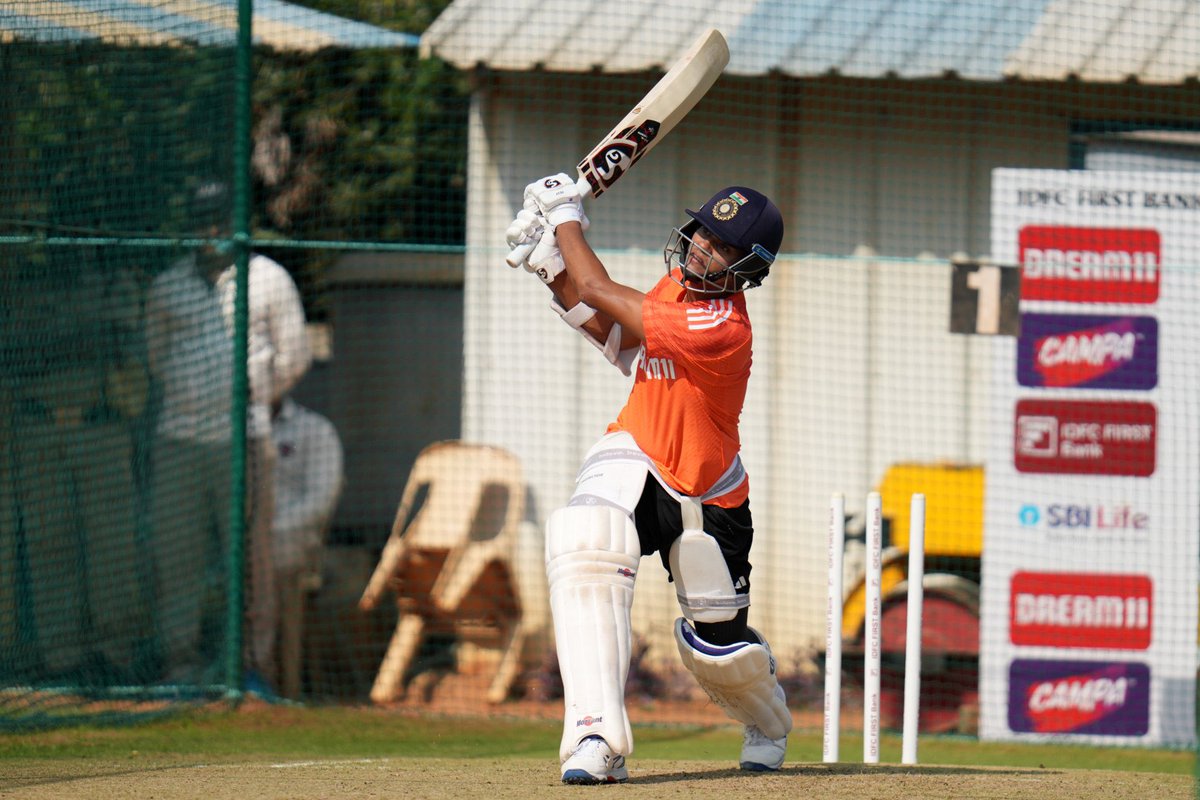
(519, 253)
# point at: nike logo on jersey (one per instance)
(712, 315)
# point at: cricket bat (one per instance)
(654, 116)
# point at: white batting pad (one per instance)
(703, 585)
(592, 555)
(740, 678)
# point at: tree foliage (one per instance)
(349, 147)
(359, 146)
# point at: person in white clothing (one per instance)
(190, 356)
(308, 483)
(277, 356)
(190, 325)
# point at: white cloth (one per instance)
(277, 354)
(191, 354)
(308, 482)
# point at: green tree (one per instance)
(362, 147)
(359, 146)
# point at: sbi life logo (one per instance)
(1060, 516)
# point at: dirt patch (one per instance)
(489, 779)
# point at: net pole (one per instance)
(241, 314)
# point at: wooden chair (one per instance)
(449, 559)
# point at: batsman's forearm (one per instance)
(590, 278)
(618, 302)
(563, 289)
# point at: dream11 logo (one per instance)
(1082, 610)
(1090, 265)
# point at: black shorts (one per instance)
(659, 522)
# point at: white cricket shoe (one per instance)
(760, 753)
(594, 762)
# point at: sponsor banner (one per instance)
(1092, 496)
(1084, 351)
(1078, 697)
(1089, 265)
(1068, 437)
(1081, 610)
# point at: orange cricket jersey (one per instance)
(687, 396)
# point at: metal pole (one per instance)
(241, 313)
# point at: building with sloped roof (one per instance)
(875, 126)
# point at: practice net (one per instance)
(276, 420)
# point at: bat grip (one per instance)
(519, 254)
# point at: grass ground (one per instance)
(293, 752)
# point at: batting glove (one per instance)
(525, 231)
(557, 199)
(546, 260)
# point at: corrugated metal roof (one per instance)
(575, 35)
(1096, 40)
(1156, 41)
(277, 24)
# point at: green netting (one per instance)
(150, 171)
(120, 464)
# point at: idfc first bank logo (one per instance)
(1085, 437)
(1090, 265)
(1088, 352)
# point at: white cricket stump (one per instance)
(912, 631)
(835, 550)
(873, 645)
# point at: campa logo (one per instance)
(1088, 352)
(1079, 697)
(1090, 265)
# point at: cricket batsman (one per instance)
(666, 477)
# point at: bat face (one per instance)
(616, 154)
